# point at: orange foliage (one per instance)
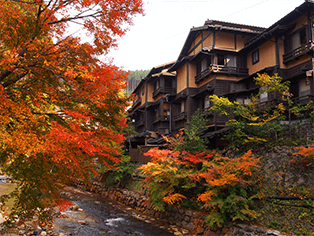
(173, 198)
(61, 107)
(306, 155)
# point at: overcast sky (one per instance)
(158, 37)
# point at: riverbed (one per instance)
(93, 215)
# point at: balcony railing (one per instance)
(163, 90)
(303, 100)
(207, 112)
(179, 116)
(296, 53)
(229, 70)
(213, 118)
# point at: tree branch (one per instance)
(18, 77)
(75, 18)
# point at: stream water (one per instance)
(98, 216)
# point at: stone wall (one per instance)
(192, 221)
(279, 170)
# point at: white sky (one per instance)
(158, 37)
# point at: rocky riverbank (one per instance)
(93, 215)
(192, 222)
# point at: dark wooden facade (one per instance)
(223, 58)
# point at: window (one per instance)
(182, 106)
(206, 102)
(220, 60)
(231, 61)
(168, 83)
(156, 84)
(255, 56)
(143, 90)
(203, 64)
(263, 97)
(243, 101)
(298, 39)
(304, 87)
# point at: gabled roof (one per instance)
(156, 71)
(212, 25)
(281, 25)
(261, 34)
(159, 69)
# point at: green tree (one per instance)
(253, 125)
(190, 140)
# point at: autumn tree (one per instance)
(253, 125)
(61, 107)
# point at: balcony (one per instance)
(298, 52)
(206, 112)
(163, 90)
(214, 119)
(303, 100)
(179, 116)
(267, 104)
(228, 70)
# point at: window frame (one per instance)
(182, 106)
(203, 64)
(264, 97)
(206, 101)
(255, 56)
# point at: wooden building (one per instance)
(222, 58)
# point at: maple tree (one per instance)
(224, 187)
(62, 109)
(201, 178)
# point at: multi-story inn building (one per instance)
(222, 58)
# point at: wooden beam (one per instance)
(202, 40)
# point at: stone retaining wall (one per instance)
(192, 221)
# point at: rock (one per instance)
(188, 213)
(273, 232)
(1, 218)
(177, 233)
(83, 222)
(199, 230)
(74, 207)
(43, 233)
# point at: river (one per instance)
(93, 215)
(99, 216)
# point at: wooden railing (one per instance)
(179, 116)
(207, 112)
(229, 70)
(163, 90)
(303, 100)
(299, 51)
